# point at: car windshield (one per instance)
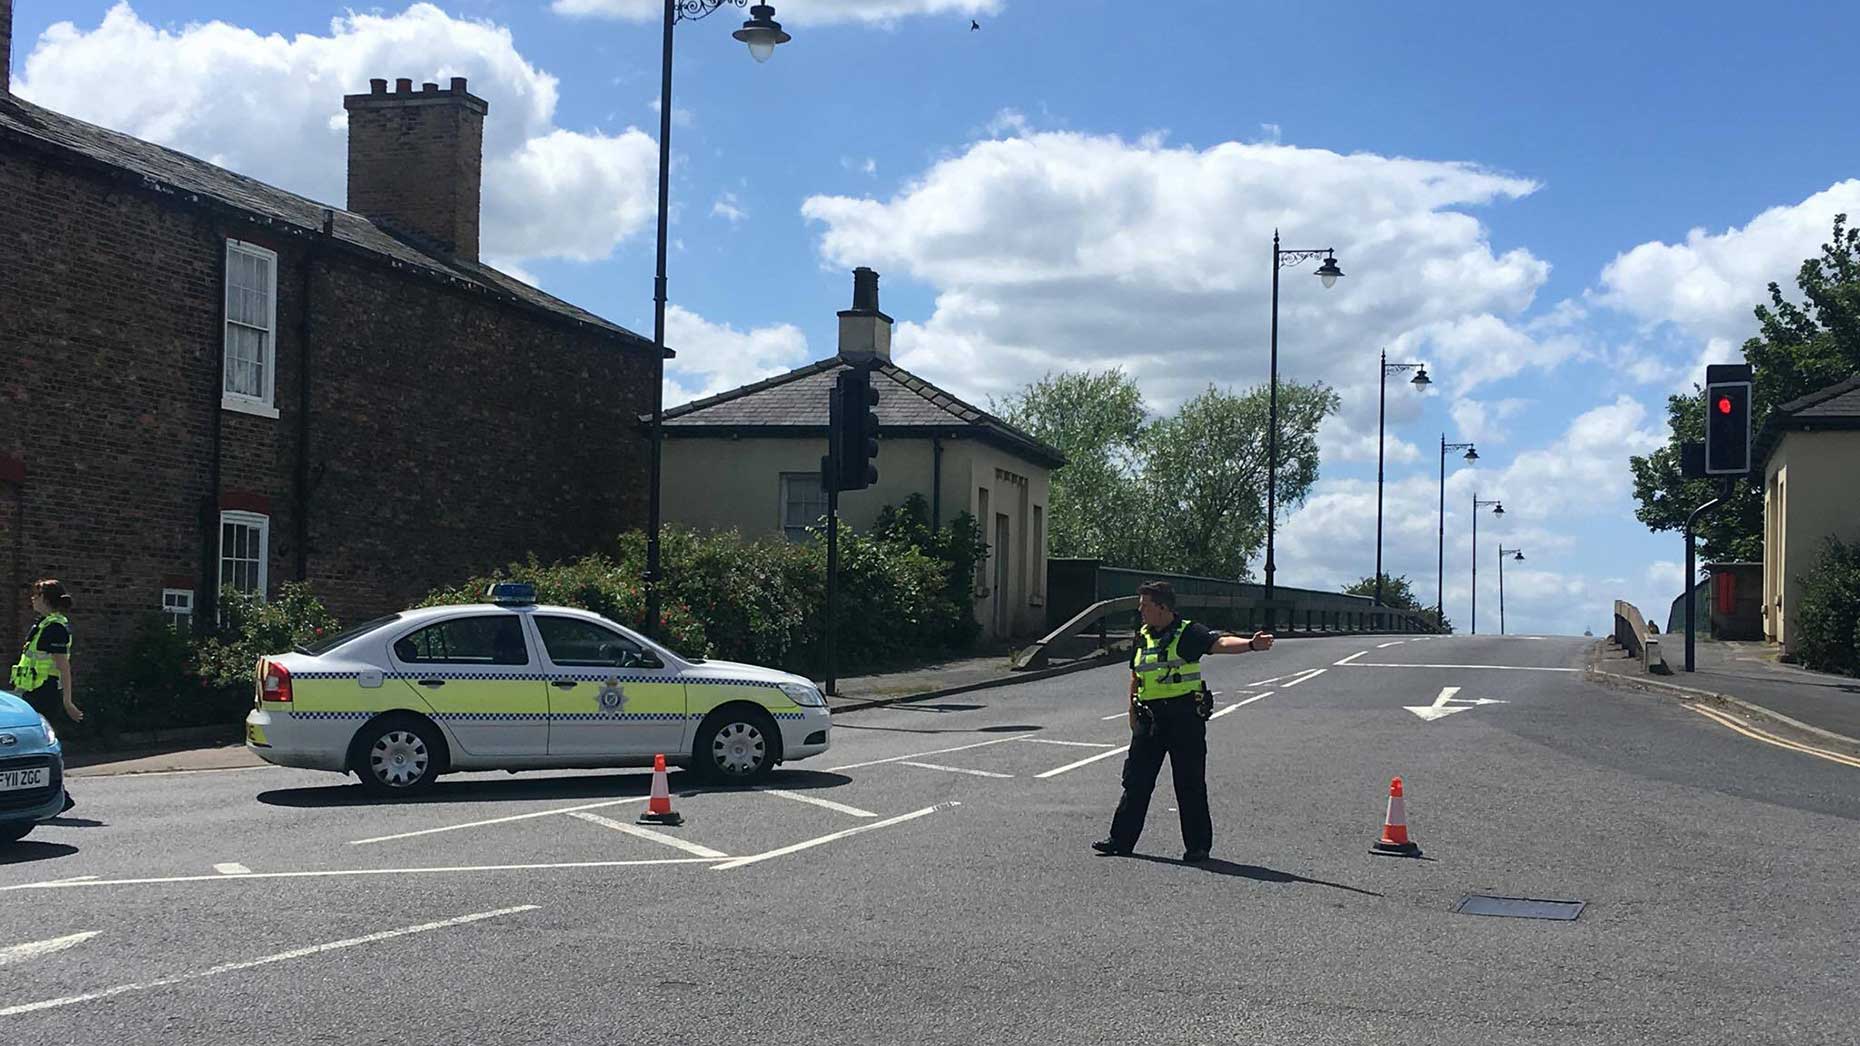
(325, 644)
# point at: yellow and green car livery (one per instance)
(511, 685)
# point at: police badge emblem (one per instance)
(611, 697)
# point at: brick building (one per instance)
(206, 380)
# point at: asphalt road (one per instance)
(929, 880)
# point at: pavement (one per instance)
(1748, 676)
(928, 880)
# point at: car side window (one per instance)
(483, 640)
(572, 641)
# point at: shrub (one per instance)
(152, 685)
(596, 583)
(1826, 623)
(251, 627)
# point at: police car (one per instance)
(510, 685)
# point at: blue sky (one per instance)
(1564, 209)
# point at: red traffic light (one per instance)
(1724, 404)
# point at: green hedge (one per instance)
(1826, 622)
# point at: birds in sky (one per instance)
(974, 25)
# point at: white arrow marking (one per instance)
(1430, 713)
(1440, 709)
(22, 952)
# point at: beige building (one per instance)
(749, 460)
(1810, 449)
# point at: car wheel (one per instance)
(13, 833)
(396, 756)
(736, 746)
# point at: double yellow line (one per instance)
(1725, 720)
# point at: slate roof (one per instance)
(1834, 407)
(795, 404)
(192, 180)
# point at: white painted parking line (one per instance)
(1087, 761)
(957, 769)
(817, 801)
(34, 949)
(797, 847)
(920, 755)
(1307, 677)
(1074, 744)
(1238, 704)
(1352, 657)
(67, 884)
(500, 820)
(232, 868)
(646, 833)
(233, 967)
(1385, 646)
(1274, 679)
(1502, 668)
(1114, 715)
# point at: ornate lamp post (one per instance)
(761, 32)
(1497, 510)
(1517, 554)
(1440, 567)
(1329, 273)
(1420, 380)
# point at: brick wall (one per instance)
(452, 433)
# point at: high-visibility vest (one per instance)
(1161, 672)
(36, 667)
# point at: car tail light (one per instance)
(276, 683)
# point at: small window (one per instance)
(328, 643)
(245, 539)
(251, 348)
(803, 503)
(484, 640)
(177, 608)
(572, 641)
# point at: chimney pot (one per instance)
(865, 332)
(404, 85)
(865, 289)
(429, 87)
(377, 85)
(458, 85)
(416, 162)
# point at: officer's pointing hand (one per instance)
(1260, 641)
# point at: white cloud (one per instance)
(727, 206)
(681, 116)
(792, 12)
(271, 107)
(714, 357)
(1585, 471)
(865, 166)
(1481, 421)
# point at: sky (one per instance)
(1564, 210)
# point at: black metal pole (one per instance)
(1382, 408)
(1475, 564)
(1692, 569)
(1272, 424)
(658, 333)
(1501, 588)
(1440, 552)
(833, 569)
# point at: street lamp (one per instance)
(1420, 380)
(1329, 273)
(1497, 510)
(1517, 554)
(761, 32)
(1440, 568)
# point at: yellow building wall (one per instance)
(1811, 492)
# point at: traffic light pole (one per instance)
(1692, 569)
(833, 570)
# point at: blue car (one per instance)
(32, 769)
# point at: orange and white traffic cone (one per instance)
(659, 806)
(1395, 841)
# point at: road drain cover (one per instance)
(1518, 907)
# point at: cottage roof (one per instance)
(1835, 407)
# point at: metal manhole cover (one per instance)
(1519, 907)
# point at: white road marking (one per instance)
(1506, 668)
(1352, 657)
(920, 755)
(233, 967)
(61, 882)
(1274, 679)
(499, 820)
(1385, 646)
(34, 949)
(1056, 771)
(345, 872)
(646, 833)
(1074, 744)
(1308, 676)
(1238, 704)
(232, 868)
(956, 769)
(796, 847)
(1114, 715)
(1440, 709)
(828, 803)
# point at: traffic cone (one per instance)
(1395, 841)
(659, 807)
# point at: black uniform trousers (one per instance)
(1174, 730)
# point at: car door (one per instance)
(477, 673)
(608, 696)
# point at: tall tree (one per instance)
(1396, 591)
(1096, 419)
(1799, 348)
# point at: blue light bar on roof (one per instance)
(512, 594)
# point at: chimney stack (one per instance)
(416, 160)
(865, 332)
(6, 47)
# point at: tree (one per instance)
(1799, 349)
(1097, 420)
(1396, 592)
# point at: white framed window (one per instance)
(177, 608)
(251, 349)
(245, 545)
(803, 502)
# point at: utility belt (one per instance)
(1202, 699)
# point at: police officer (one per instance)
(1169, 710)
(43, 673)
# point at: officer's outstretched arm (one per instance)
(1259, 641)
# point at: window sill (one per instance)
(246, 406)
(1036, 601)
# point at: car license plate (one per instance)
(31, 777)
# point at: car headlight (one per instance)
(51, 736)
(805, 694)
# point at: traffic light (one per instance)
(854, 429)
(1727, 420)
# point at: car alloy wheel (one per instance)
(399, 758)
(739, 750)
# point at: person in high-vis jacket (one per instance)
(1169, 711)
(43, 673)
